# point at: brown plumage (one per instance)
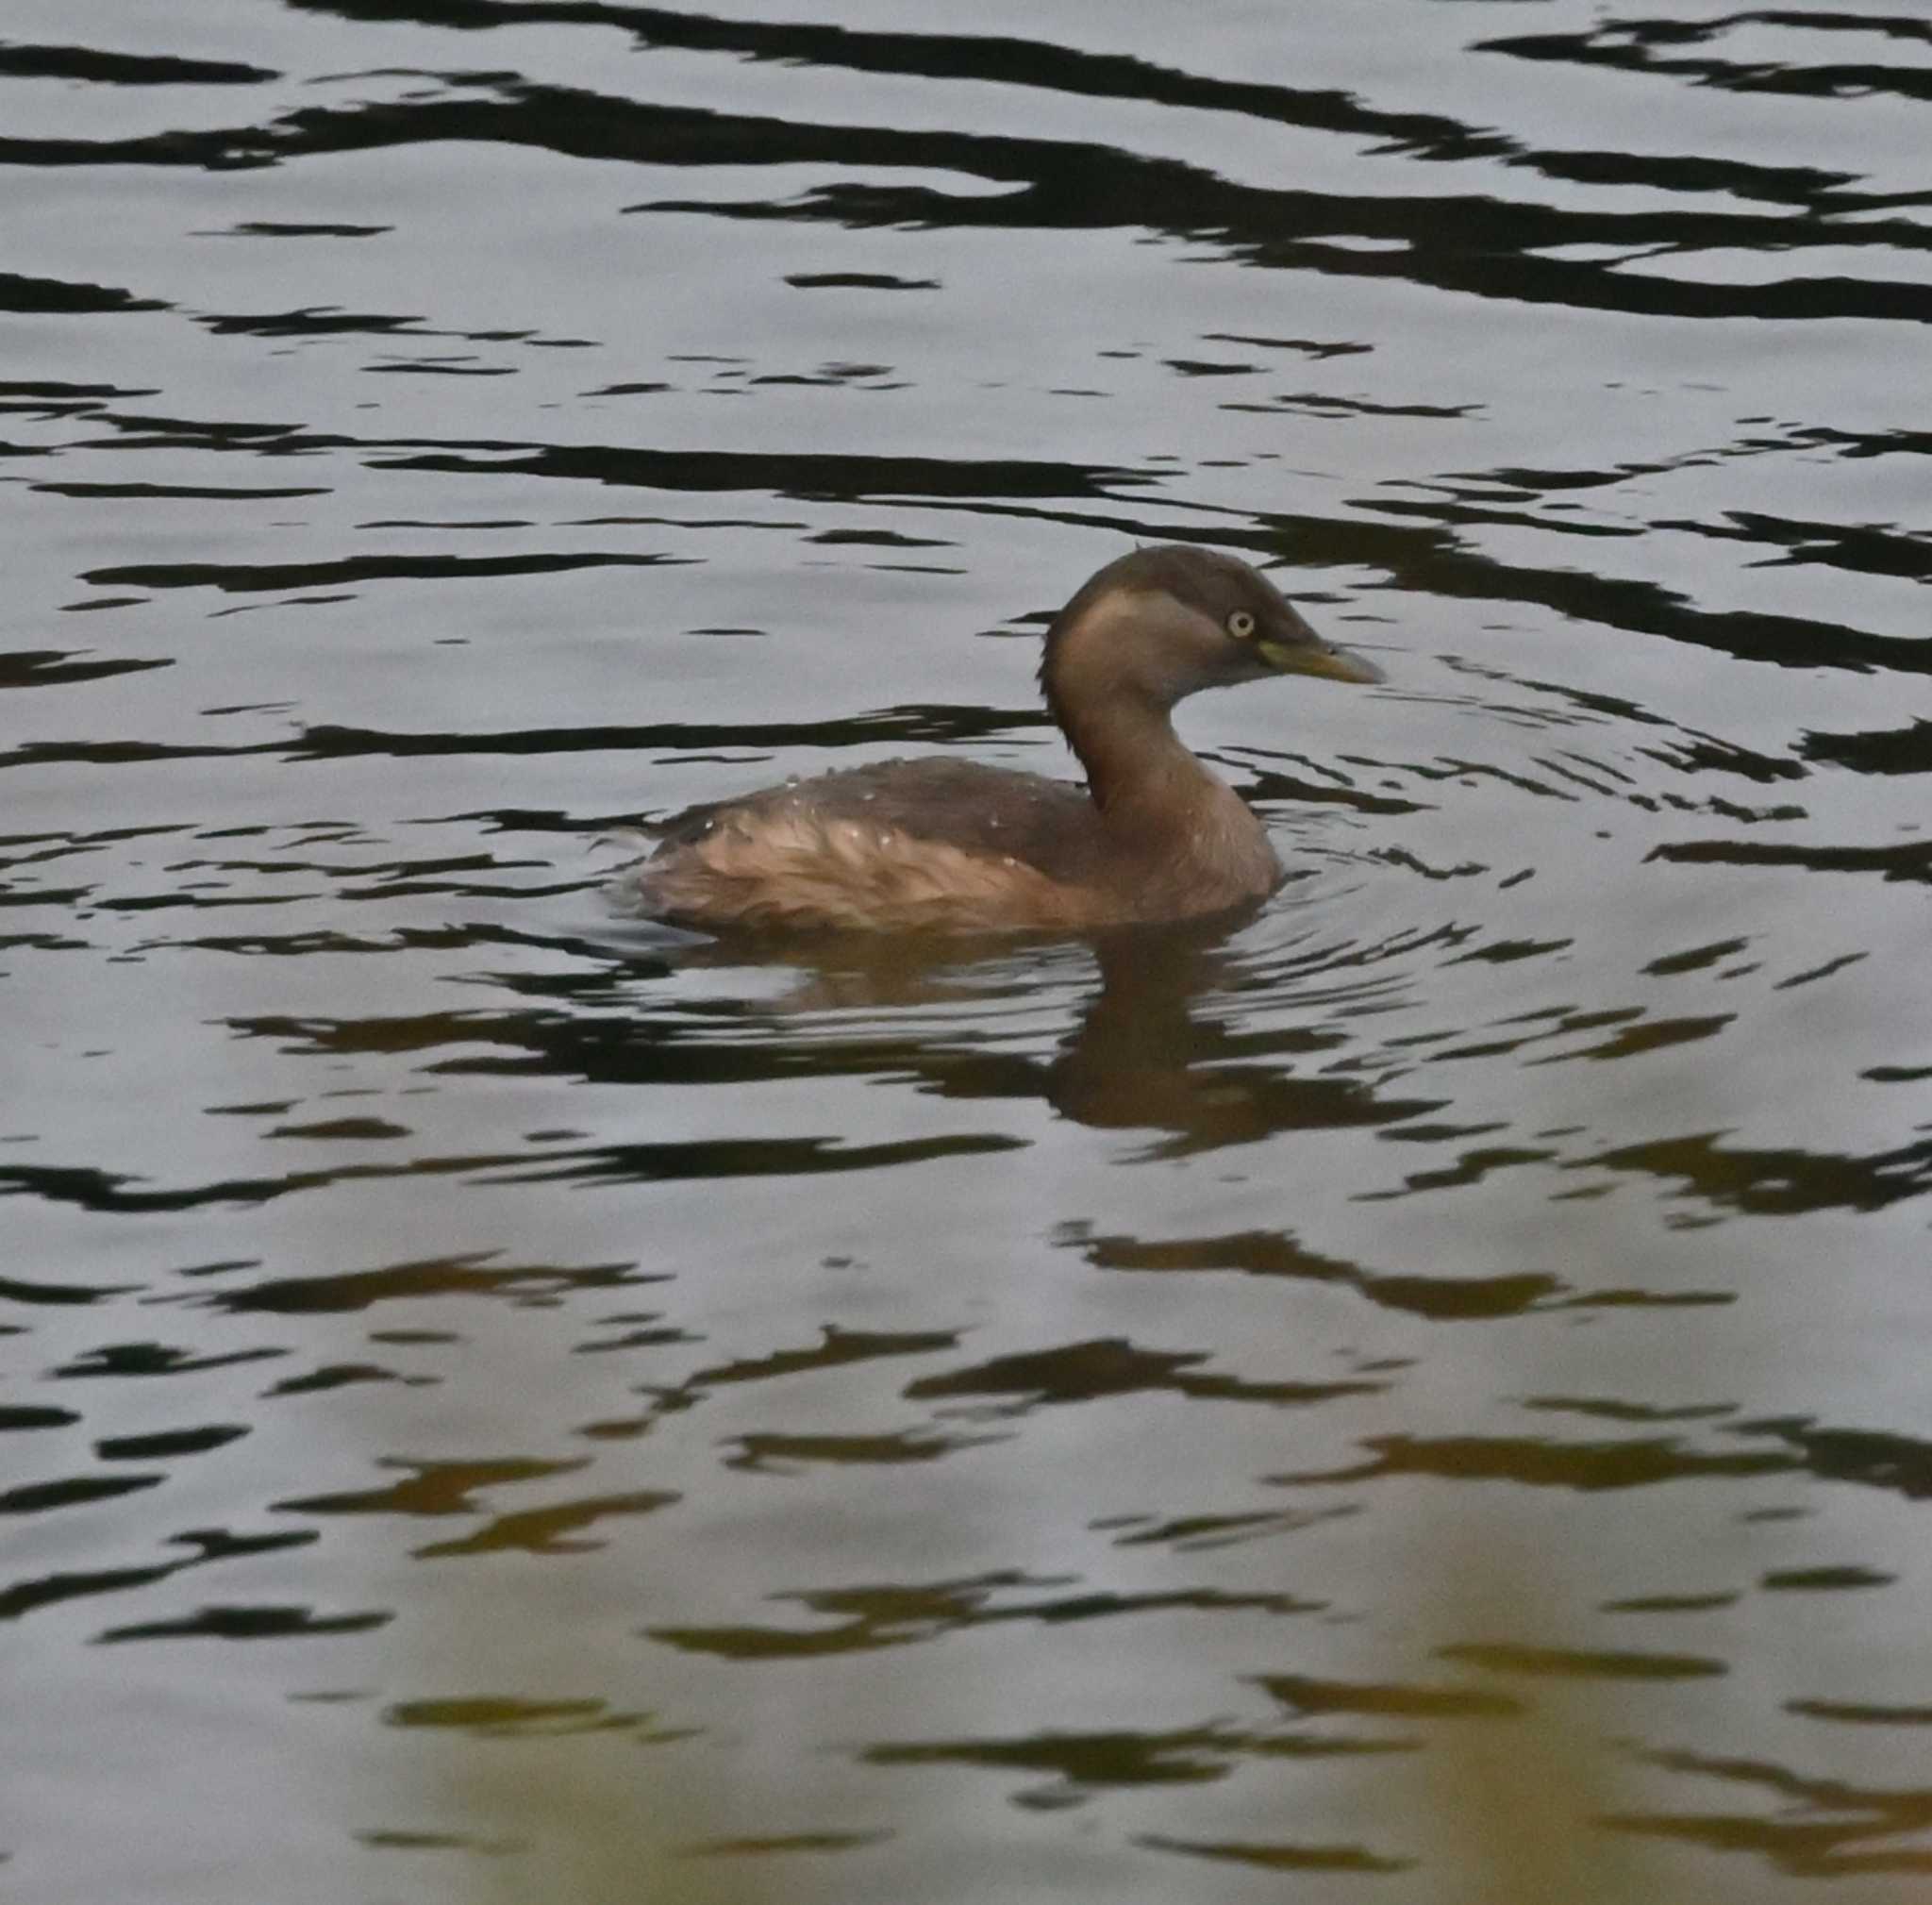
(951, 845)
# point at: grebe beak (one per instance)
(1319, 658)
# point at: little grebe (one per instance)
(950, 845)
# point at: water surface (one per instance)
(1132, 1421)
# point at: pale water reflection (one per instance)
(1415, 1390)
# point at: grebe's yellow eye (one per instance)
(1241, 624)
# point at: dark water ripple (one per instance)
(1006, 1419)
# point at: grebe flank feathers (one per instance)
(951, 845)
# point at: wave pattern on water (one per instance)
(1009, 1418)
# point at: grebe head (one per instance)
(1162, 623)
